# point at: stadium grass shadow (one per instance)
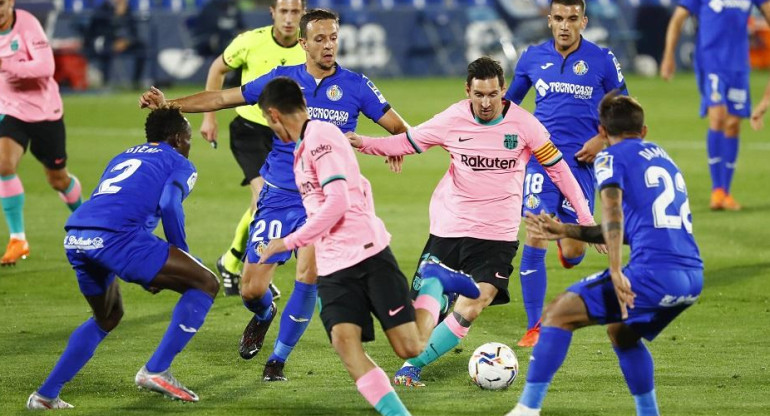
(734, 275)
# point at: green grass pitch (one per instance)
(712, 361)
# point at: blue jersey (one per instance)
(139, 187)
(337, 99)
(722, 42)
(568, 90)
(657, 220)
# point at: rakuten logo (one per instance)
(487, 163)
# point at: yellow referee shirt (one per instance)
(256, 52)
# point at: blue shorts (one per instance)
(97, 256)
(279, 213)
(661, 295)
(540, 193)
(730, 88)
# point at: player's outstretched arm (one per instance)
(196, 103)
(214, 81)
(612, 228)
(668, 64)
(172, 215)
(394, 124)
(545, 227)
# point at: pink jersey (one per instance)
(343, 235)
(480, 195)
(27, 89)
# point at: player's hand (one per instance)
(623, 292)
(667, 68)
(152, 99)
(757, 117)
(395, 163)
(543, 226)
(590, 149)
(354, 139)
(209, 128)
(274, 247)
(152, 289)
(601, 248)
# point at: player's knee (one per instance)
(6, 167)
(554, 313)
(622, 336)
(408, 348)
(717, 120)
(58, 179)
(732, 127)
(573, 253)
(207, 282)
(342, 341)
(111, 320)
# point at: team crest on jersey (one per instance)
(603, 166)
(260, 248)
(14, 45)
(716, 97)
(532, 202)
(334, 93)
(580, 67)
(191, 181)
(510, 141)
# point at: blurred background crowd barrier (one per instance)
(137, 42)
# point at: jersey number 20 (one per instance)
(656, 176)
(128, 168)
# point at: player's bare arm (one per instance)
(757, 116)
(273, 247)
(612, 228)
(543, 226)
(590, 149)
(214, 82)
(196, 103)
(668, 64)
(393, 123)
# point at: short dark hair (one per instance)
(581, 3)
(621, 114)
(283, 94)
(274, 3)
(313, 15)
(164, 122)
(485, 68)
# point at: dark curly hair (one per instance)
(313, 15)
(163, 123)
(485, 68)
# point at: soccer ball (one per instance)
(493, 366)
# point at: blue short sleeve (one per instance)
(252, 89)
(613, 75)
(608, 169)
(691, 5)
(373, 103)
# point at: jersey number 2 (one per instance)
(128, 167)
(653, 177)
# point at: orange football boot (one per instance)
(531, 337)
(730, 204)
(718, 196)
(15, 250)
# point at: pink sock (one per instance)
(374, 385)
(455, 327)
(430, 304)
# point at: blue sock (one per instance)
(729, 156)
(638, 369)
(646, 404)
(714, 143)
(533, 282)
(260, 306)
(294, 320)
(186, 320)
(80, 349)
(547, 357)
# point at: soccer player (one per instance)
(722, 72)
(644, 201)
(475, 210)
(255, 52)
(757, 122)
(31, 116)
(111, 234)
(333, 94)
(358, 273)
(570, 76)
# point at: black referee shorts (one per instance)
(250, 143)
